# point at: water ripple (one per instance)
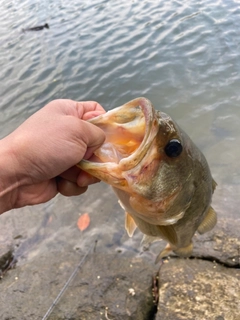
(184, 56)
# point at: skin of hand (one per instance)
(39, 157)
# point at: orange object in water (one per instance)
(83, 221)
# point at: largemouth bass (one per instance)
(161, 178)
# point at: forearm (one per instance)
(9, 181)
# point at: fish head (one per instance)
(148, 159)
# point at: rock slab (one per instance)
(195, 289)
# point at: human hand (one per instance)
(42, 153)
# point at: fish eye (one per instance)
(173, 149)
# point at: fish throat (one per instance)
(130, 130)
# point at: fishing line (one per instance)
(68, 282)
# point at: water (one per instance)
(182, 55)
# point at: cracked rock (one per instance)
(197, 289)
(222, 244)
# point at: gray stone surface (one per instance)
(104, 286)
(222, 244)
(114, 281)
(6, 250)
(197, 289)
(116, 288)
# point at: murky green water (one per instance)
(182, 55)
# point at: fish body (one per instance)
(161, 178)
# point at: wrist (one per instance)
(9, 176)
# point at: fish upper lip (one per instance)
(138, 155)
(151, 124)
(114, 162)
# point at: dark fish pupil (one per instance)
(173, 148)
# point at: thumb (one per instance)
(93, 138)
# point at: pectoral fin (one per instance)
(169, 234)
(214, 185)
(130, 224)
(208, 222)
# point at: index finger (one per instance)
(89, 109)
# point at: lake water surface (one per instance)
(182, 55)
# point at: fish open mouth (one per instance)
(129, 130)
